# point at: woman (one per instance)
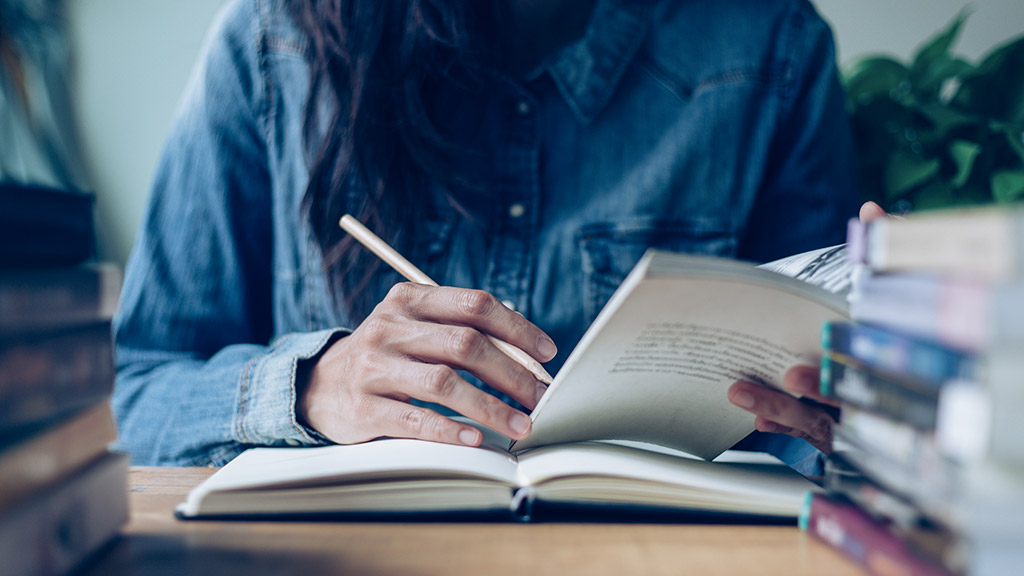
(522, 153)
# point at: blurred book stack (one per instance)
(63, 494)
(927, 475)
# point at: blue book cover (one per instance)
(897, 355)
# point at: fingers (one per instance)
(391, 418)
(870, 211)
(476, 309)
(806, 381)
(782, 413)
(468, 349)
(441, 384)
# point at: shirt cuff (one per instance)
(797, 453)
(266, 406)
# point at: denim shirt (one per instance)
(703, 126)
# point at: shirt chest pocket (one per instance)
(609, 250)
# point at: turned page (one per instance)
(657, 362)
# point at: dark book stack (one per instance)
(927, 475)
(63, 494)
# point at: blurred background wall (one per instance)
(133, 58)
(131, 61)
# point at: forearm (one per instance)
(189, 411)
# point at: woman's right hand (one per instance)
(410, 346)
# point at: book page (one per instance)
(599, 472)
(657, 363)
(828, 268)
(376, 461)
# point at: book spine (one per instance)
(42, 460)
(983, 244)
(45, 226)
(892, 353)
(867, 391)
(897, 441)
(960, 313)
(856, 242)
(846, 480)
(56, 531)
(860, 538)
(46, 377)
(33, 301)
(922, 533)
(931, 494)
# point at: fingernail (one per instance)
(546, 348)
(520, 423)
(743, 399)
(541, 389)
(469, 437)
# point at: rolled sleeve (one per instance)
(267, 399)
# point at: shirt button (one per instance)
(523, 108)
(509, 304)
(516, 210)
(291, 441)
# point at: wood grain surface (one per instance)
(155, 543)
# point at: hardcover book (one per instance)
(45, 299)
(45, 226)
(863, 539)
(53, 455)
(48, 376)
(59, 529)
(982, 243)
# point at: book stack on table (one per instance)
(62, 492)
(928, 471)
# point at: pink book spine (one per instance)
(852, 532)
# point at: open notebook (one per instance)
(627, 424)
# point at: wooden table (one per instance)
(155, 543)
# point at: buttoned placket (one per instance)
(518, 187)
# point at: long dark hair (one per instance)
(370, 62)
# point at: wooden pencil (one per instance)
(389, 255)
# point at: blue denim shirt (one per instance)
(703, 126)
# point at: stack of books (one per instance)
(927, 476)
(62, 492)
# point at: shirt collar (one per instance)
(588, 71)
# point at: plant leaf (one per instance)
(996, 87)
(963, 154)
(936, 194)
(928, 86)
(906, 171)
(1015, 136)
(873, 77)
(1008, 185)
(945, 119)
(932, 54)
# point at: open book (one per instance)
(409, 478)
(627, 424)
(656, 363)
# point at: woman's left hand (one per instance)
(780, 413)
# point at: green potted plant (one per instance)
(939, 131)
